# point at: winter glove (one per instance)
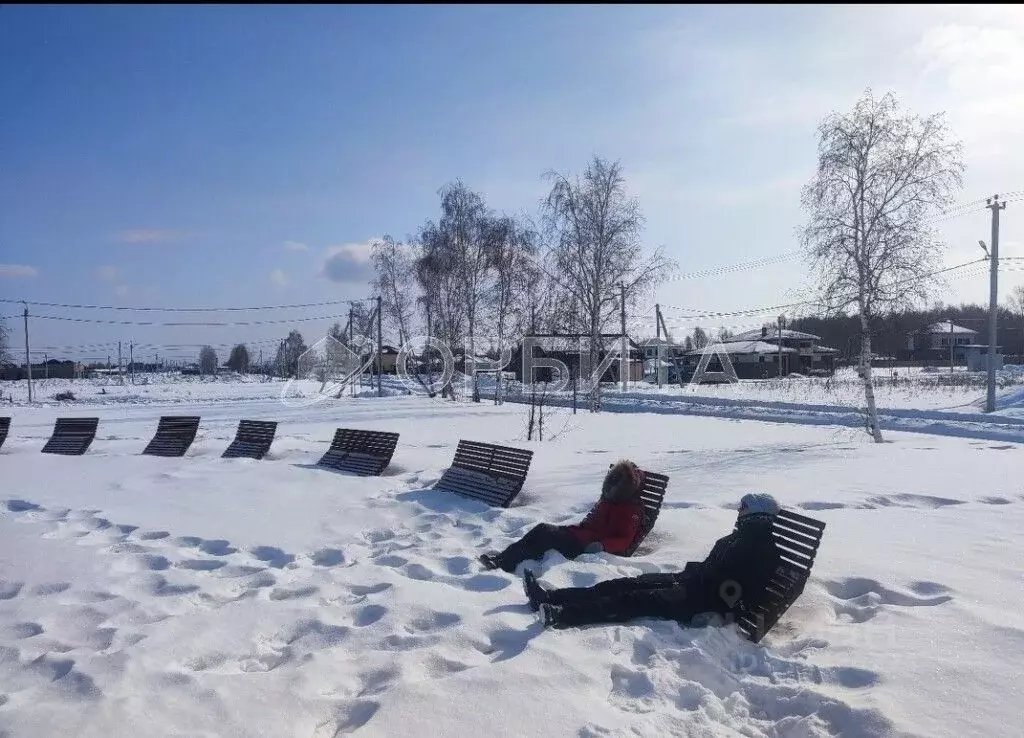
(594, 548)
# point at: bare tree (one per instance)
(513, 253)
(4, 342)
(595, 229)
(288, 353)
(454, 267)
(880, 173)
(208, 360)
(442, 304)
(363, 328)
(395, 283)
(699, 338)
(239, 359)
(466, 230)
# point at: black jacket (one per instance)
(747, 556)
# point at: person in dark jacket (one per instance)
(611, 526)
(740, 564)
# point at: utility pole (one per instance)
(120, 370)
(951, 340)
(131, 359)
(624, 361)
(995, 206)
(351, 338)
(46, 365)
(380, 349)
(28, 361)
(780, 320)
(657, 329)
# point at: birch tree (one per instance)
(456, 261)
(466, 228)
(437, 275)
(513, 253)
(595, 228)
(395, 283)
(881, 171)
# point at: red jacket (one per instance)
(613, 525)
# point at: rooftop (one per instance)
(744, 347)
(944, 327)
(755, 335)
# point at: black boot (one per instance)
(550, 615)
(489, 561)
(535, 593)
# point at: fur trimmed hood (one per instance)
(623, 482)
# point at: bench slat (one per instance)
(174, 435)
(362, 452)
(487, 472)
(72, 436)
(252, 440)
(787, 584)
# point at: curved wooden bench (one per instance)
(487, 472)
(362, 452)
(252, 441)
(797, 538)
(174, 435)
(72, 436)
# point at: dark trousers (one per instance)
(664, 596)
(533, 545)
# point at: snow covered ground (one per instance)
(912, 388)
(201, 596)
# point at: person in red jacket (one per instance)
(611, 526)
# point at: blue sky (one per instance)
(222, 156)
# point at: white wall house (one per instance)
(939, 336)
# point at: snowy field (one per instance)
(902, 388)
(201, 596)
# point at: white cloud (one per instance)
(149, 236)
(17, 270)
(122, 290)
(982, 70)
(279, 277)
(108, 273)
(295, 246)
(348, 262)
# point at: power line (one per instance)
(186, 310)
(186, 324)
(773, 308)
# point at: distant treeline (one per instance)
(890, 332)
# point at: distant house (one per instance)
(388, 359)
(51, 369)
(669, 350)
(567, 350)
(935, 342)
(757, 354)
